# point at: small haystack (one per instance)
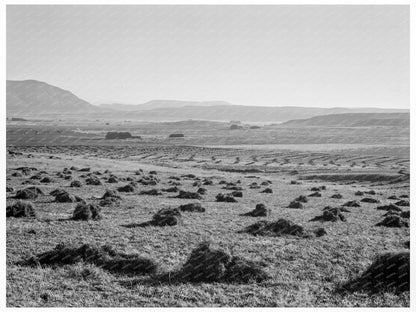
(166, 216)
(76, 183)
(259, 211)
(226, 198)
(207, 265)
(370, 200)
(390, 271)
(278, 228)
(21, 209)
(189, 195)
(85, 212)
(128, 188)
(352, 203)
(393, 221)
(28, 193)
(295, 205)
(192, 207)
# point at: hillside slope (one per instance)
(31, 97)
(354, 120)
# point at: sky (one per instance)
(312, 56)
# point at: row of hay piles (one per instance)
(205, 264)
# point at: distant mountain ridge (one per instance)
(354, 120)
(34, 98)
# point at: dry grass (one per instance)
(303, 272)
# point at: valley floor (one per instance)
(303, 271)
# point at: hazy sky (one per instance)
(249, 55)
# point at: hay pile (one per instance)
(152, 192)
(254, 185)
(93, 180)
(109, 201)
(237, 194)
(320, 232)
(226, 198)
(403, 203)
(302, 199)
(405, 214)
(259, 211)
(207, 182)
(393, 197)
(315, 194)
(105, 257)
(267, 191)
(112, 179)
(128, 188)
(295, 205)
(166, 216)
(75, 183)
(208, 265)
(370, 200)
(57, 191)
(46, 180)
(28, 193)
(232, 187)
(278, 228)
(393, 221)
(331, 214)
(192, 207)
(172, 189)
(352, 203)
(390, 207)
(85, 212)
(197, 184)
(189, 195)
(21, 209)
(390, 271)
(148, 180)
(65, 197)
(111, 194)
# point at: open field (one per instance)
(302, 270)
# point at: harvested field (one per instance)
(303, 267)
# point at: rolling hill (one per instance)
(31, 97)
(354, 120)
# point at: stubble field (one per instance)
(301, 270)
